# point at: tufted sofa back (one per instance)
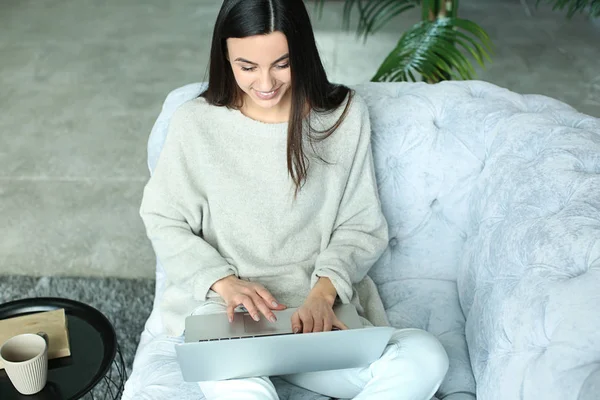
(500, 193)
(428, 155)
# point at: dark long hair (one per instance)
(310, 86)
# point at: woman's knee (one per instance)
(424, 349)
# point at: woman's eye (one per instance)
(283, 66)
(247, 69)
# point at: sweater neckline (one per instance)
(256, 126)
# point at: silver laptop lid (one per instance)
(281, 354)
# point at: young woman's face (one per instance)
(261, 68)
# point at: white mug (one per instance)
(25, 359)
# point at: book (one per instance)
(53, 323)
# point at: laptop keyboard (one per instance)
(243, 337)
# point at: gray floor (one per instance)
(82, 81)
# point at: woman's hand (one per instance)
(253, 296)
(316, 314)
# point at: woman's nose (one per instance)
(267, 82)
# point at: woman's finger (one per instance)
(250, 307)
(296, 322)
(318, 323)
(263, 308)
(230, 310)
(339, 324)
(327, 325)
(269, 299)
(307, 323)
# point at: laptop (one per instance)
(214, 349)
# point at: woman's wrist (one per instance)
(218, 285)
(324, 289)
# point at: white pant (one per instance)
(412, 367)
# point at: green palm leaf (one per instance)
(590, 6)
(436, 50)
(372, 15)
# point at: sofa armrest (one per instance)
(529, 278)
(174, 99)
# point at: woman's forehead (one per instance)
(260, 49)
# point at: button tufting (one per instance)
(435, 205)
(393, 242)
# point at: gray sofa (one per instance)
(493, 204)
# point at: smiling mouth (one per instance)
(267, 95)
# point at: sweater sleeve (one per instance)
(172, 214)
(360, 233)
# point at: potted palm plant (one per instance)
(592, 7)
(441, 46)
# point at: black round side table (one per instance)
(95, 369)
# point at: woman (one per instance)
(265, 197)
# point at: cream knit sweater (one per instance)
(220, 202)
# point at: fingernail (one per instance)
(275, 304)
(230, 319)
(272, 319)
(296, 330)
(256, 317)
